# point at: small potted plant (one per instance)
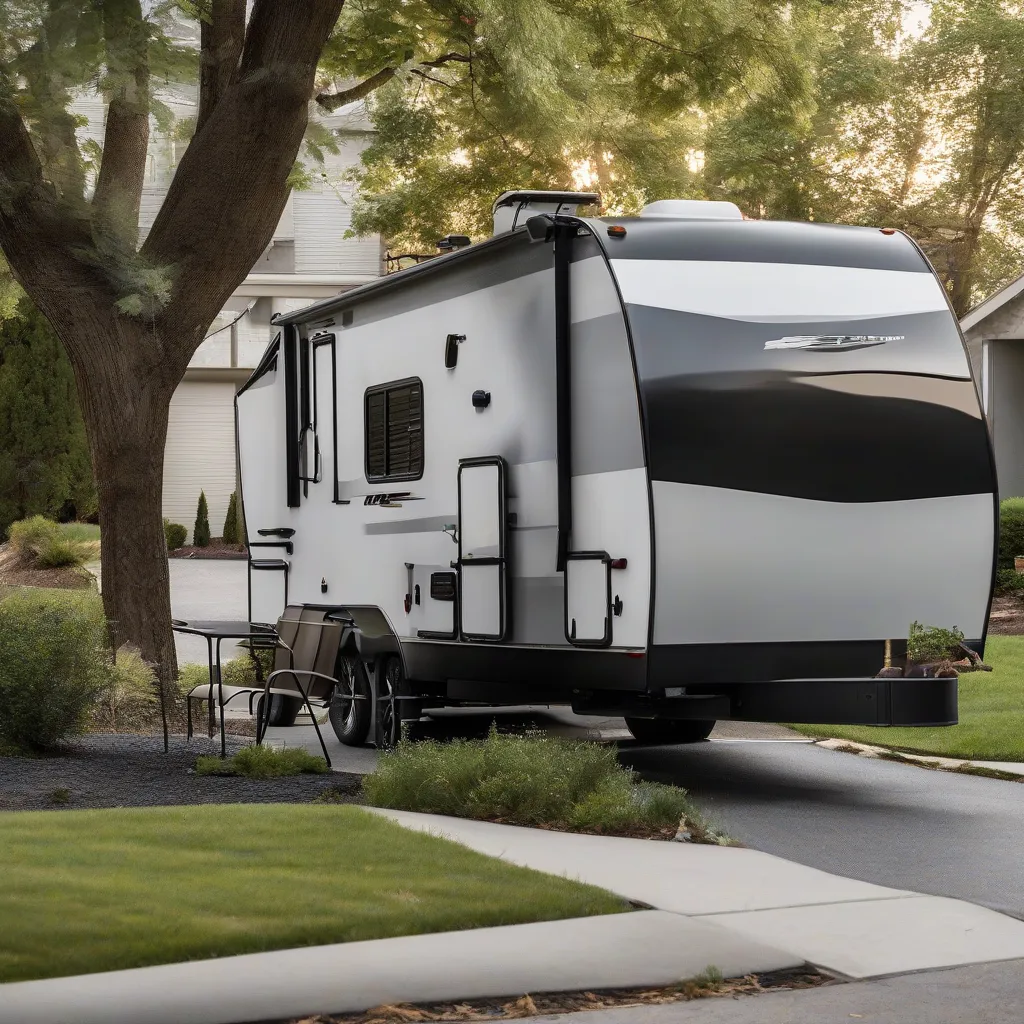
(933, 652)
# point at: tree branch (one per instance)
(118, 192)
(221, 38)
(332, 100)
(231, 186)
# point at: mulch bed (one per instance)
(107, 770)
(214, 550)
(574, 1002)
(1007, 618)
(18, 572)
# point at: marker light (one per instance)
(617, 231)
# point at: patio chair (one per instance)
(305, 657)
(305, 662)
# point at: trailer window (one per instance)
(394, 431)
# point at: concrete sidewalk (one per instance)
(618, 951)
(739, 910)
(853, 928)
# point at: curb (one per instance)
(629, 950)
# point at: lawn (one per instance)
(86, 891)
(991, 714)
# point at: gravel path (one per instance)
(133, 771)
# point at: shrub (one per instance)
(232, 532)
(1009, 581)
(1011, 531)
(176, 535)
(932, 643)
(529, 781)
(53, 666)
(28, 535)
(49, 545)
(130, 698)
(201, 530)
(264, 763)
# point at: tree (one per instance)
(232, 522)
(201, 530)
(922, 131)
(130, 317)
(532, 94)
(44, 457)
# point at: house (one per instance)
(309, 258)
(994, 330)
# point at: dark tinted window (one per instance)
(394, 431)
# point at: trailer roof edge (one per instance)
(335, 303)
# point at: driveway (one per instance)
(207, 588)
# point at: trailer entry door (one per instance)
(483, 572)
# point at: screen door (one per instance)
(483, 597)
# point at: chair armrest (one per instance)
(299, 672)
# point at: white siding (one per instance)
(322, 216)
(200, 453)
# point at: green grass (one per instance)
(264, 763)
(991, 714)
(88, 532)
(528, 780)
(86, 891)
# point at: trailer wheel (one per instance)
(283, 710)
(395, 706)
(669, 730)
(350, 718)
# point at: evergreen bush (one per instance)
(232, 533)
(44, 456)
(201, 530)
(176, 535)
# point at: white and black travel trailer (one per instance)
(678, 467)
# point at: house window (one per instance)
(394, 431)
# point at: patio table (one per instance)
(214, 632)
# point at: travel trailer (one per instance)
(678, 467)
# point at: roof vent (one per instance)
(512, 209)
(692, 209)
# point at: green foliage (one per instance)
(1011, 531)
(53, 666)
(232, 522)
(1009, 581)
(44, 456)
(175, 535)
(528, 781)
(130, 698)
(49, 545)
(264, 763)
(201, 530)
(537, 94)
(932, 643)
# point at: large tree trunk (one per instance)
(117, 356)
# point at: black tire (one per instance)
(388, 727)
(350, 718)
(283, 710)
(669, 730)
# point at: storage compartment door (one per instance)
(483, 572)
(588, 599)
(268, 590)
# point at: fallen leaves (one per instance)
(570, 1002)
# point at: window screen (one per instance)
(394, 431)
